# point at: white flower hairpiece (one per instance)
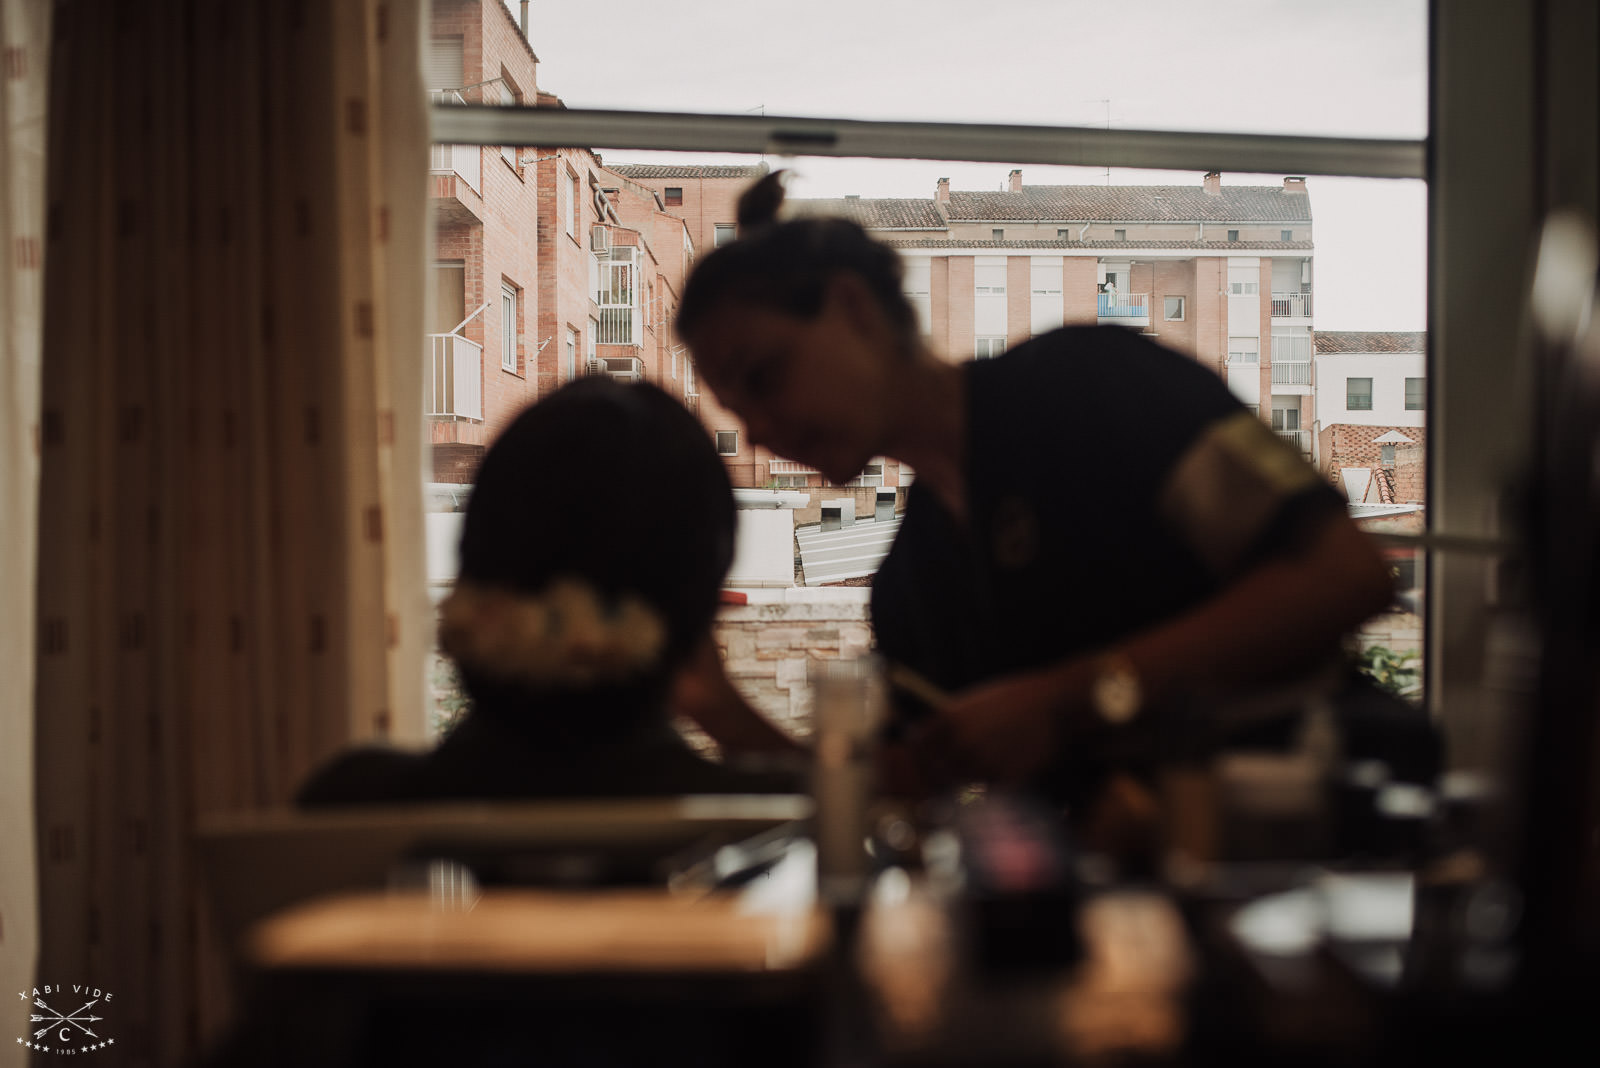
(564, 636)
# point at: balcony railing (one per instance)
(455, 384)
(1123, 306)
(789, 467)
(616, 327)
(1291, 372)
(626, 368)
(1300, 439)
(1291, 305)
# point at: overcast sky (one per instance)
(1326, 67)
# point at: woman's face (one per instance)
(812, 390)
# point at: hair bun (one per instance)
(759, 205)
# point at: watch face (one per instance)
(1116, 695)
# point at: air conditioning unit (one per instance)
(599, 239)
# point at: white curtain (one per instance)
(24, 79)
(230, 567)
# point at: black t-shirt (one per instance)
(1112, 483)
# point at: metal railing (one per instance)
(1291, 305)
(454, 385)
(1123, 305)
(1300, 439)
(626, 368)
(463, 160)
(1291, 373)
(616, 326)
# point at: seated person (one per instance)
(595, 543)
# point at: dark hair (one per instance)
(614, 484)
(786, 265)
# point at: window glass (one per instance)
(1359, 70)
(1414, 395)
(727, 442)
(1358, 394)
(508, 328)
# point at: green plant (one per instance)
(449, 699)
(1394, 672)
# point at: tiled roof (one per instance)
(1333, 341)
(905, 213)
(1132, 203)
(687, 170)
(1199, 246)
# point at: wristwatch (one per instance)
(1116, 693)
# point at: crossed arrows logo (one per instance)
(56, 1019)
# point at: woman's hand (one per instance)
(1009, 730)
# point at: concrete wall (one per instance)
(769, 644)
(1388, 371)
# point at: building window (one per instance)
(1286, 235)
(727, 443)
(1414, 395)
(506, 94)
(571, 206)
(723, 234)
(1119, 235)
(572, 354)
(997, 234)
(1358, 394)
(1386, 455)
(508, 327)
(1244, 288)
(987, 348)
(590, 338)
(673, 195)
(1233, 235)
(1063, 234)
(1174, 309)
(1244, 350)
(989, 281)
(918, 286)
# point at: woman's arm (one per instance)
(1271, 625)
(704, 693)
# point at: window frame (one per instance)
(1421, 398)
(509, 294)
(1166, 308)
(722, 233)
(720, 435)
(1350, 404)
(988, 341)
(672, 196)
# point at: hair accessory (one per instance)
(565, 636)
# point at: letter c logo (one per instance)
(64, 1035)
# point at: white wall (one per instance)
(764, 552)
(1388, 371)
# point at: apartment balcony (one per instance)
(789, 467)
(1291, 305)
(622, 368)
(1124, 309)
(455, 174)
(691, 401)
(618, 325)
(1300, 439)
(1291, 373)
(454, 389)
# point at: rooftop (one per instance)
(1364, 341)
(1131, 203)
(688, 170)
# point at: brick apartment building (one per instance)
(482, 347)
(705, 198)
(1370, 423)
